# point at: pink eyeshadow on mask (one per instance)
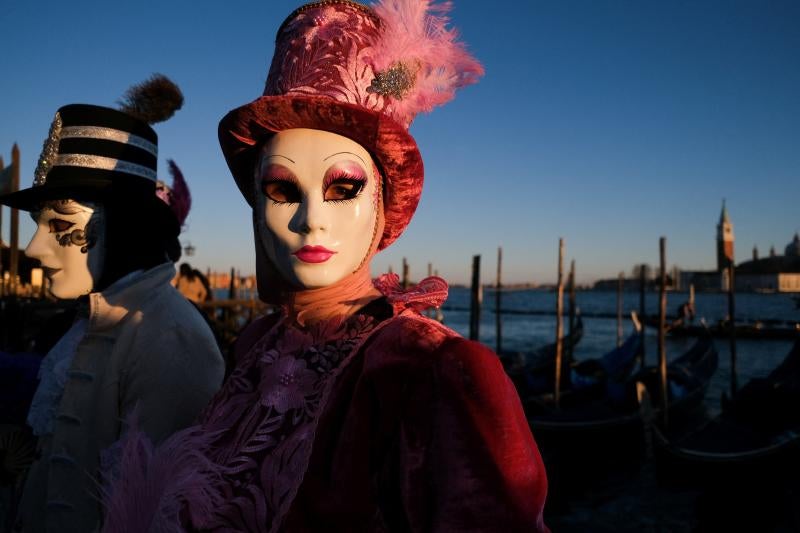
(274, 171)
(344, 169)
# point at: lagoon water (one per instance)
(755, 358)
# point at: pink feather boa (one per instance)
(157, 480)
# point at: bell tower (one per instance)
(724, 240)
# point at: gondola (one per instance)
(533, 372)
(746, 458)
(591, 438)
(757, 434)
(592, 429)
(755, 330)
(688, 378)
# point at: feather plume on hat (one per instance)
(418, 61)
(177, 197)
(154, 100)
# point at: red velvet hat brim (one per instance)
(244, 130)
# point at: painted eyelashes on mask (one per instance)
(342, 184)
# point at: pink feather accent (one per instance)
(144, 487)
(180, 198)
(415, 33)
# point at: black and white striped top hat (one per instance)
(90, 148)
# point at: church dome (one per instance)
(793, 248)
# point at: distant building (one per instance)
(714, 280)
(724, 240)
(24, 265)
(775, 273)
(778, 273)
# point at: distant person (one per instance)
(107, 237)
(204, 280)
(684, 315)
(190, 284)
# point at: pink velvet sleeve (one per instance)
(480, 469)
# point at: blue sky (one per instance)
(608, 123)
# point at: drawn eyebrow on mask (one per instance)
(349, 153)
(283, 156)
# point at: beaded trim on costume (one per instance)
(322, 3)
(49, 151)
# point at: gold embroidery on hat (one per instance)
(49, 152)
(395, 81)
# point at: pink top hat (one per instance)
(360, 72)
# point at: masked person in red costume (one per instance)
(348, 410)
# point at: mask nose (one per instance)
(38, 247)
(312, 216)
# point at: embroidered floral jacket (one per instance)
(387, 421)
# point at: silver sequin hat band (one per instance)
(108, 134)
(104, 163)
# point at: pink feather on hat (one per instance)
(417, 59)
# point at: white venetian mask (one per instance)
(317, 204)
(69, 244)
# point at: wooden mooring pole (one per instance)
(405, 281)
(559, 322)
(498, 318)
(732, 324)
(620, 287)
(232, 285)
(2, 281)
(14, 238)
(642, 308)
(476, 300)
(571, 310)
(662, 318)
